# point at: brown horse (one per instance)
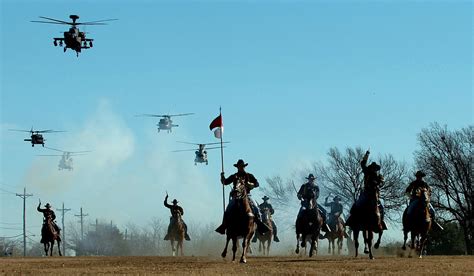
(366, 219)
(418, 222)
(240, 222)
(265, 240)
(49, 235)
(308, 225)
(337, 233)
(177, 233)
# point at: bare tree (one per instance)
(343, 176)
(446, 157)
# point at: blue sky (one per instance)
(293, 80)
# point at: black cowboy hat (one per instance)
(337, 198)
(420, 174)
(240, 163)
(310, 177)
(175, 201)
(47, 205)
(374, 166)
(265, 198)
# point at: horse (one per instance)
(366, 219)
(240, 222)
(265, 240)
(337, 233)
(176, 234)
(308, 224)
(49, 235)
(418, 222)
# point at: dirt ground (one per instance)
(255, 266)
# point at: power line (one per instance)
(7, 191)
(82, 215)
(24, 196)
(64, 210)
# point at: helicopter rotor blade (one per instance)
(217, 143)
(184, 150)
(89, 24)
(48, 131)
(20, 130)
(188, 143)
(46, 22)
(98, 21)
(56, 20)
(48, 155)
(213, 148)
(150, 115)
(183, 114)
(54, 149)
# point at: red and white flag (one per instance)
(217, 126)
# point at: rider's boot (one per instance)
(221, 229)
(186, 236)
(275, 232)
(254, 238)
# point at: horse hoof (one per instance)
(404, 248)
(371, 257)
(243, 261)
(223, 255)
(376, 246)
(366, 251)
(297, 251)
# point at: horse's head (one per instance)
(240, 188)
(423, 194)
(266, 214)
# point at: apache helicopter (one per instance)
(73, 39)
(36, 136)
(165, 122)
(66, 161)
(201, 153)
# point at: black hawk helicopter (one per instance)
(165, 122)
(201, 153)
(66, 161)
(73, 39)
(36, 137)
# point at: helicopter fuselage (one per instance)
(36, 139)
(201, 157)
(74, 39)
(165, 124)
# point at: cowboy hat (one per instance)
(175, 201)
(337, 198)
(420, 174)
(265, 198)
(47, 205)
(374, 166)
(240, 163)
(310, 177)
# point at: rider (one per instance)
(47, 213)
(262, 207)
(250, 183)
(310, 191)
(411, 191)
(176, 211)
(336, 210)
(372, 183)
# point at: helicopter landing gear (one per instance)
(207, 163)
(32, 145)
(77, 54)
(55, 43)
(61, 43)
(42, 145)
(90, 44)
(195, 164)
(85, 43)
(64, 49)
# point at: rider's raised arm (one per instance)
(300, 192)
(166, 203)
(40, 210)
(228, 180)
(363, 163)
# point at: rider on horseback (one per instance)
(47, 214)
(262, 207)
(336, 211)
(372, 183)
(309, 192)
(412, 190)
(176, 212)
(250, 183)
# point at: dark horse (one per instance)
(177, 233)
(418, 221)
(49, 235)
(267, 236)
(308, 225)
(240, 222)
(366, 218)
(338, 231)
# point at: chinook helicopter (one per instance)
(36, 137)
(66, 161)
(73, 39)
(165, 122)
(201, 151)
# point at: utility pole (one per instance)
(64, 210)
(24, 196)
(82, 215)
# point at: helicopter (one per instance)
(201, 153)
(66, 161)
(165, 122)
(73, 39)
(36, 137)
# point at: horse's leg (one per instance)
(234, 248)
(339, 243)
(268, 245)
(364, 235)
(245, 244)
(413, 237)
(405, 238)
(51, 248)
(260, 246)
(377, 244)
(59, 248)
(224, 253)
(370, 237)
(297, 251)
(422, 244)
(356, 241)
(173, 250)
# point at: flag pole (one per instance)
(222, 159)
